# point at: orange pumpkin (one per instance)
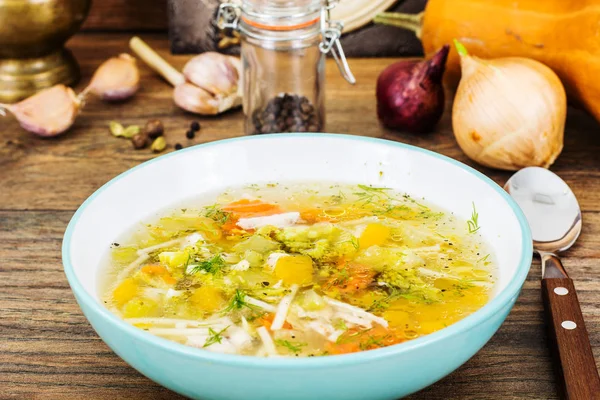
(560, 34)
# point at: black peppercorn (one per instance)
(287, 113)
(195, 126)
(190, 134)
(178, 146)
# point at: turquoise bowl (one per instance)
(387, 373)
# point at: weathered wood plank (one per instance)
(73, 166)
(127, 16)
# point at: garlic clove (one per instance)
(115, 79)
(198, 101)
(195, 99)
(213, 72)
(47, 113)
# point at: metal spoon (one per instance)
(555, 221)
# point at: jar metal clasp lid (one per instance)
(228, 17)
(331, 32)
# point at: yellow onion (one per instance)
(509, 113)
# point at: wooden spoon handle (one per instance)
(573, 358)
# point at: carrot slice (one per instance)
(230, 226)
(315, 215)
(159, 270)
(267, 320)
(355, 340)
(245, 208)
(154, 269)
(352, 277)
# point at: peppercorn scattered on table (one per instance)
(49, 350)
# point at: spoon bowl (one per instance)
(550, 207)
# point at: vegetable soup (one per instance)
(299, 270)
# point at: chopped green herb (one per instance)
(294, 347)
(353, 241)
(238, 301)
(215, 213)
(338, 198)
(484, 259)
(384, 303)
(392, 210)
(345, 338)
(341, 277)
(461, 286)
(473, 223)
(371, 342)
(341, 325)
(215, 337)
(211, 266)
(408, 198)
(187, 262)
(373, 189)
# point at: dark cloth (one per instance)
(192, 30)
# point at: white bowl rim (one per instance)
(512, 289)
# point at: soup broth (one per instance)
(299, 270)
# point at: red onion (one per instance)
(410, 95)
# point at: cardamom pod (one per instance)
(115, 128)
(159, 144)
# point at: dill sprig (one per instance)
(473, 223)
(214, 336)
(371, 342)
(294, 347)
(484, 259)
(238, 301)
(353, 241)
(341, 325)
(338, 198)
(372, 189)
(384, 303)
(348, 337)
(408, 198)
(215, 213)
(211, 266)
(371, 194)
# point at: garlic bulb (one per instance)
(47, 113)
(209, 84)
(115, 79)
(213, 72)
(509, 113)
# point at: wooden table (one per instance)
(49, 351)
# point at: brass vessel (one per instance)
(32, 36)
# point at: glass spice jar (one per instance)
(283, 49)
